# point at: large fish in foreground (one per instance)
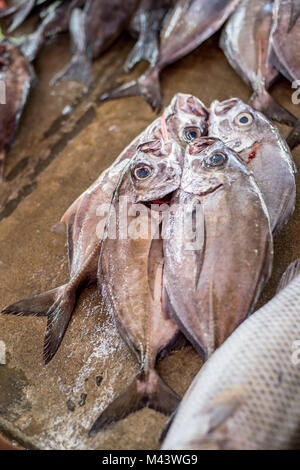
(285, 39)
(93, 30)
(263, 150)
(189, 24)
(17, 75)
(83, 221)
(213, 286)
(245, 41)
(131, 272)
(247, 395)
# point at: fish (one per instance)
(93, 30)
(264, 151)
(131, 274)
(247, 395)
(213, 284)
(56, 21)
(284, 38)
(85, 225)
(147, 23)
(245, 41)
(19, 13)
(17, 76)
(188, 25)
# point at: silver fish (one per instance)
(131, 273)
(190, 23)
(265, 152)
(92, 30)
(285, 37)
(247, 395)
(245, 41)
(214, 286)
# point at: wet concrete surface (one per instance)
(55, 157)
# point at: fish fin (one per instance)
(264, 102)
(146, 48)
(58, 305)
(78, 70)
(293, 139)
(147, 390)
(2, 162)
(21, 14)
(291, 272)
(147, 86)
(31, 45)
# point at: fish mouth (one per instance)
(222, 108)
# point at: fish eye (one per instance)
(142, 172)
(191, 133)
(216, 160)
(244, 120)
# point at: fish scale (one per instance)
(250, 382)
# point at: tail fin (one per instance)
(147, 390)
(147, 86)
(146, 48)
(293, 139)
(58, 305)
(78, 70)
(265, 103)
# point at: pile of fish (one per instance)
(259, 40)
(227, 170)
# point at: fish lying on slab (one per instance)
(247, 395)
(265, 152)
(285, 38)
(214, 286)
(131, 273)
(56, 21)
(147, 24)
(245, 41)
(189, 24)
(82, 220)
(93, 30)
(18, 76)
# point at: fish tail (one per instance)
(146, 48)
(293, 139)
(146, 390)
(32, 44)
(147, 86)
(57, 305)
(264, 102)
(78, 70)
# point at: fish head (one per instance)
(155, 172)
(186, 118)
(210, 165)
(238, 124)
